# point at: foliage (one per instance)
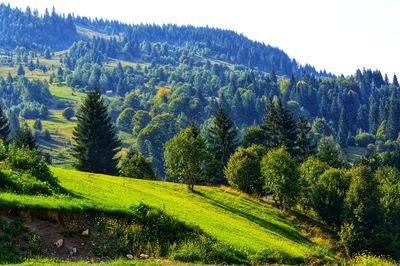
(222, 136)
(328, 195)
(363, 214)
(124, 120)
(243, 169)
(24, 138)
(95, 142)
(310, 171)
(136, 166)
(186, 156)
(331, 153)
(4, 126)
(68, 113)
(280, 175)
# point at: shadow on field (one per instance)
(273, 228)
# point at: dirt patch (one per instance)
(74, 247)
(66, 227)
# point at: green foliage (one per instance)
(243, 169)
(363, 213)
(24, 138)
(124, 120)
(17, 242)
(371, 260)
(253, 135)
(151, 140)
(281, 175)
(4, 126)
(310, 171)
(328, 193)
(186, 156)
(68, 113)
(331, 153)
(95, 142)
(222, 136)
(363, 139)
(139, 121)
(29, 160)
(280, 127)
(136, 166)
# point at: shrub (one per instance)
(243, 169)
(68, 113)
(30, 161)
(363, 139)
(45, 134)
(136, 166)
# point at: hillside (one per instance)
(232, 217)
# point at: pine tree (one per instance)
(21, 71)
(304, 143)
(288, 131)
(222, 136)
(95, 141)
(24, 138)
(270, 125)
(4, 126)
(343, 129)
(279, 127)
(394, 113)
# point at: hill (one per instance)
(249, 225)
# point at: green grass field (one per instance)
(228, 215)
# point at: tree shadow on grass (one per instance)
(273, 228)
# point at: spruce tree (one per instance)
(222, 136)
(4, 126)
(270, 126)
(279, 127)
(304, 143)
(95, 141)
(24, 138)
(343, 129)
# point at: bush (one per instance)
(136, 166)
(68, 113)
(243, 169)
(45, 134)
(363, 139)
(27, 160)
(23, 183)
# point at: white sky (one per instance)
(338, 35)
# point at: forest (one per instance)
(200, 106)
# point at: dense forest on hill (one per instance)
(199, 106)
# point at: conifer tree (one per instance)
(304, 144)
(279, 127)
(394, 114)
(4, 126)
(222, 136)
(343, 129)
(95, 141)
(24, 138)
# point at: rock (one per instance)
(129, 257)
(59, 243)
(86, 232)
(144, 256)
(73, 251)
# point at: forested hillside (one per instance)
(199, 106)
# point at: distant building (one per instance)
(109, 93)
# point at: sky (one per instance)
(337, 35)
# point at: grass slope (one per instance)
(228, 215)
